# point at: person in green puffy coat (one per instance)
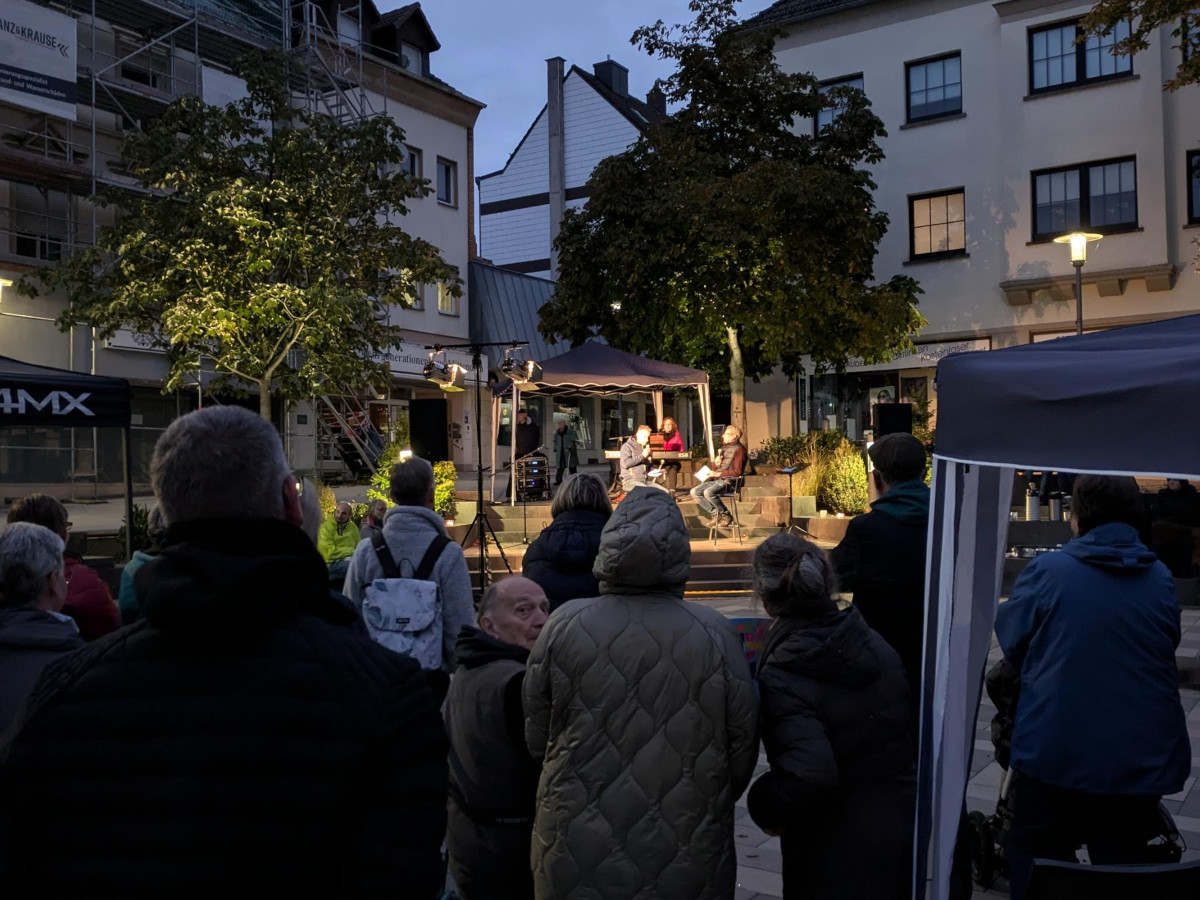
(336, 541)
(641, 709)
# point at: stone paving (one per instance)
(759, 862)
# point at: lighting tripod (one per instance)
(480, 525)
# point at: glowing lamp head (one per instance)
(1078, 240)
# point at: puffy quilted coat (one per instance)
(242, 733)
(560, 559)
(838, 736)
(641, 708)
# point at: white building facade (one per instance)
(1002, 135)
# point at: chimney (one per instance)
(557, 146)
(614, 75)
(657, 101)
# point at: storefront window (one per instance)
(612, 411)
(574, 411)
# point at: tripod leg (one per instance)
(499, 548)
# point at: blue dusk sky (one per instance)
(496, 52)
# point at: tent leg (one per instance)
(127, 459)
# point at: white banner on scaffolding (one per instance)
(37, 58)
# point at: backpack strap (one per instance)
(429, 560)
(390, 569)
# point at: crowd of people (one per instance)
(582, 731)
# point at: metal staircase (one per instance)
(346, 435)
(329, 77)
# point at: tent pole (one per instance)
(126, 453)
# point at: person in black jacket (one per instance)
(241, 733)
(33, 630)
(493, 779)
(560, 558)
(841, 790)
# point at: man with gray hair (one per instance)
(240, 733)
(33, 630)
(493, 779)
(409, 529)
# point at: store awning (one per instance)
(32, 395)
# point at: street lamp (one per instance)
(1078, 241)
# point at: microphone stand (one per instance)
(524, 489)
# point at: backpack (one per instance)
(405, 614)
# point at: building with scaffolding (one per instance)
(77, 75)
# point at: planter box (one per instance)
(827, 528)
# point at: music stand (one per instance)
(789, 526)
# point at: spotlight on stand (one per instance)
(450, 377)
(523, 372)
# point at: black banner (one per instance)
(42, 396)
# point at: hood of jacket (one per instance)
(224, 577)
(570, 540)
(1115, 546)
(906, 502)
(644, 546)
(412, 519)
(835, 648)
(475, 648)
(37, 629)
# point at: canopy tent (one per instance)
(41, 396)
(594, 369)
(1107, 402)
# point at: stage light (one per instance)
(523, 372)
(450, 377)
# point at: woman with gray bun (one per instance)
(841, 790)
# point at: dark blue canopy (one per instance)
(32, 395)
(1123, 400)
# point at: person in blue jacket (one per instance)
(1099, 734)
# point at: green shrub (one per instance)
(381, 481)
(844, 487)
(358, 512)
(444, 477)
(141, 529)
(326, 499)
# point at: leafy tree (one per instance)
(1148, 16)
(260, 229)
(728, 235)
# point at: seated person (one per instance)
(635, 459)
(336, 540)
(672, 441)
(727, 468)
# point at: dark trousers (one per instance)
(671, 474)
(1050, 822)
(558, 474)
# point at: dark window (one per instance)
(1193, 182)
(1056, 60)
(447, 182)
(412, 163)
(829, 115)
(938, 224)
(935, 87)
(1096, 196)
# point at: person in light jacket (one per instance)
(641, 709)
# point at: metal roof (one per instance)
(503, 306)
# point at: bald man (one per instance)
(336, 541)
(493, 779)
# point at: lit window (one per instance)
(938, 224)
(447, 302)
(935, 88)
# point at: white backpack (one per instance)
(405, 614)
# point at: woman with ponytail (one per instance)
(835, 722)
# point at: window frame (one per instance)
(843, 81)
(412, 153)
(1085, 212)
(418, 303)
(1192, 173)
(908, 67)
(913, 256)
(454, 301)
(1080, 60)
(453, 167)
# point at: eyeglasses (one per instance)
(299, 485)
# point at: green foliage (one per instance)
(325, 499)
(698, 451)
(816, 448)
(358, 512)
(141, 529)
(261, 237)
(844, 487)
(730, 238)
(1148, 16)
(444, 477)
(381, 481)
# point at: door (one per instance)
(427, 425)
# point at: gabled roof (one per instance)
(639, 113)
(789, 12)
(401, 16)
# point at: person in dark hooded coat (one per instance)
(841, 790)
(560, 558)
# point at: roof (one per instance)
(788, 12)
(398, 17)
(1109, 401)
(504, 306)
(597, 368)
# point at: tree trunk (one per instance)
(264, 399)
(737, 383)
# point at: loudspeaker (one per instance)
(893, 418)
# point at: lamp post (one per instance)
(1078, 241)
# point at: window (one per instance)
(1096, 196)
(418, 298)
(447, 182)
(447, 302)
(829, 115)
(1056, 61)
(1193, 182)
(935, 88)
(412, 161)
(412, 59)
(938, 225)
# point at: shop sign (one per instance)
(922, 356)
(124, 339)
(410, 359)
